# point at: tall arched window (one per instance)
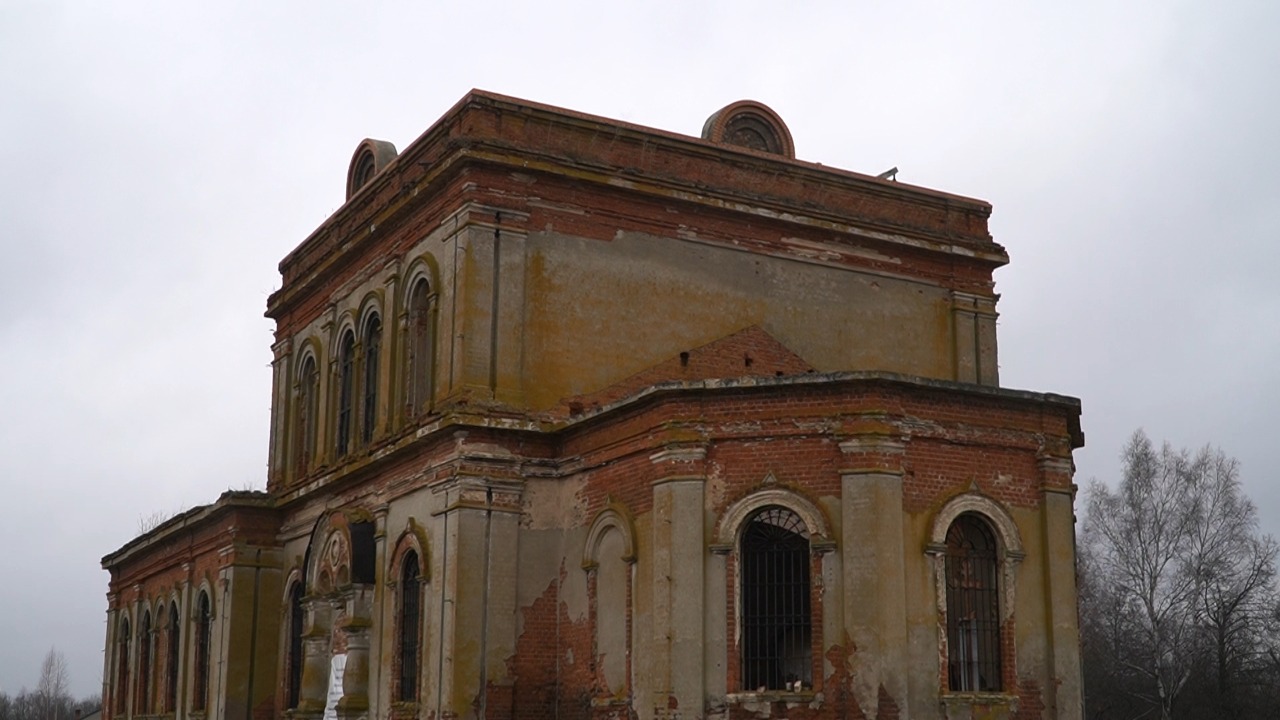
(777, 630)
(346, 389)
(419, 349)
(204, 629)
(122, 668)
(410, 627)
(295, 645)
(973, 606)
(372, 349)
(143, 704)
(308, 404)
(175, 650)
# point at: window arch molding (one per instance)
(418, 323)
(370, 306)
(1009, 554)
(308, 385)
(413, 537)
(615, 516)
(734, 519)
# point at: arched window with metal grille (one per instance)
(418, 396)
(175, 648)
(410, 627)
(346, 389)
(308, 402)
(204, 628)
(777, 628)
(122, 668)
(372, 349)
(973, 606)
(142, 706)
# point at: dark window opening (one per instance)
(346, 389)
(295, 645)
(372, 346)
(973, 607)
(144, 666)
(410, 624)
(365, 170)
(777, 635)
(364, 552)
(171, 689)
(122, 668)
(204, 626)
(419, 349)
(308, 400)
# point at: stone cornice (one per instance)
(489, 129)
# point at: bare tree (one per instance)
(52, 697)
(1177, 587)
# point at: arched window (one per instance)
(346, 389)
(777, 630)
(295, 645)
(419, 348)
(143, 705)
(372, 348)
(204, 628)
(122, 668)
(973, 606)
(366, 168)
(308, 403)
(410, 627)
(171, 687)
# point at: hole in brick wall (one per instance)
(684, 359)
(777, 373)
(746, 360)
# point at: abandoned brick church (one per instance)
(578, 419)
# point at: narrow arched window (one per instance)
(346, 389)
(204, 628)
(973, 607)
(171, 688)
(419, 348)
(143, 704)
(777, 631)
(366, 168)
(122, 668)
(372, 349)
(295, 645)
(308, 403)
(410, 627)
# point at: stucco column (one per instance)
(1064, 689)
(679, 583)
(316, 645)
(873, 561)
(356, 627)
(973, 322)
(478, 604)
(281, 411)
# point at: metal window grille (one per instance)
(419, 347)
(372, 346)
(346, 381)
(122, 690)
(200, 696)
(171, 689)
(307, 414)
(410, 613)
(973, 607)
(144, 665)
(776, 621)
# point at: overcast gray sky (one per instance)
(158, 159)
